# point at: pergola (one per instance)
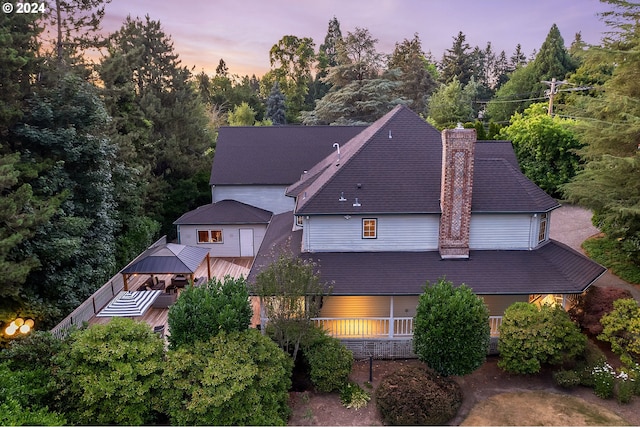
(169, 258)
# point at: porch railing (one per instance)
(379, 327)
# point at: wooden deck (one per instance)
(220, 267)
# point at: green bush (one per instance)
(624, 390)
(203, 312)
(567, 379)
(330, 364)
(451, 329)
(236, 378)
(417, 395)
(604, 379)
(111, 374)
(621, 328)
(532, 336)
(353, 396)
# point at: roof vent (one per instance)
(342, 199)
(357, 203)
(337, 147)
(390, 135)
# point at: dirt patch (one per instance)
(540, 408)
(310, 408)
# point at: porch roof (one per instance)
(552, 269)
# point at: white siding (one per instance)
(230, 246)
(395, 233)
(500, 231)
(268, 197)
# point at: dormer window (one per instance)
(542, 228)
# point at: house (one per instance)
(386, 208)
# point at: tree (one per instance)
(451, 104)
(160, 123)
(290, 296)
(292, 58)
(327, 57)
(65, 137)
(237, 378)
(242, 115)
(545, 147)
(76, 24)
(457, 62)
(451, 329)
(525, 84)
(359, 93)
(111, 373)
(418, 75)
(621, 328)
(532, 336)
(609, 128)
(205, 311)
(276, 106)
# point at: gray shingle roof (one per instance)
(169, 258)
(273, 155)
(394, 166)
(551, 269)
(225, 212)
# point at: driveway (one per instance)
(572, 225)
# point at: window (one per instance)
(369, 228)
(209, 236)
(299, 222)
(542, 231)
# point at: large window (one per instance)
(542, 231)
(369, 228)
(209, 236)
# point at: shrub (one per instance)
(624, 390)
(417, 395)
(621, 328)
(604, 377)
(567, 379)
(237, 378)
(353, 396)
(203, 312)
(111, 373)
(594, 304)
(531, 336)
(330, 364)
(451, 329)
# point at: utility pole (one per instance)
(553, 89)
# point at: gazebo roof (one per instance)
(169, 258)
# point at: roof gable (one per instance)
(273, 155)
(225, 212)
(394, 166)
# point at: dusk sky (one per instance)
(242, 31)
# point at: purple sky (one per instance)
(242, 31)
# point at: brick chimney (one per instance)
(458, 146)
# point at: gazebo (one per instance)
(169, 258)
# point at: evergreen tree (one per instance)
(610, 128)
(518, 59)
(451, 104)
(359, 93)
(65, 133)
(160, 124)
(417, 74)
(457, 61)
(327, 57)
(276, 106)
(525, 85)
(242, 115)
